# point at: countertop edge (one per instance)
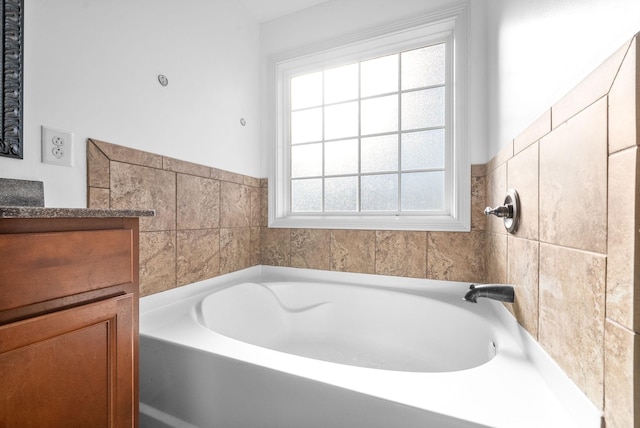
(46, 212)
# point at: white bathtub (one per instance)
(281, 347)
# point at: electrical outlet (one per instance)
(57, 147)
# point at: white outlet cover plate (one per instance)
(57, 146)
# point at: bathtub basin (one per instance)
(351, 324)
(282, 347)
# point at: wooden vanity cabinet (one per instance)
(69, 322)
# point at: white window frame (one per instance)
(449, 26)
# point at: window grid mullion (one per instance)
(359, 137)
(368, 174)
(399, 131)
(370, 97)
(380, 134)
(323, 206)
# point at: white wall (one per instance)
(91, 67)
(339, 17)
(540, 49)
(525, 54)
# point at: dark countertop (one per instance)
(42, 212)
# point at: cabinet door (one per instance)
(73, 368)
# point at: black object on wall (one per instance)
(11, 73)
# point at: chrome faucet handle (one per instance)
(509, 212)
(502, 211)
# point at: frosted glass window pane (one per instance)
(423, 150)
(306, 91)
(306, 126)
(423, 67)
(379, 76)
(379, 115)
(423, 109)
(306, 160)
(379, 192)
(423, 191)
(380, 154)
(341, 194)
(306, 195)
(341, 120)
(341, 84)
(341, 157)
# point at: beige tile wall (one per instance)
(575, 259)
(435, 255)
(207, 220)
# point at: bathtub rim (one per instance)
(570, 397)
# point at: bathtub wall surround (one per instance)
(211, 222)
(575, 258)
(207, 220)
(450, 256)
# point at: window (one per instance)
(370, 131)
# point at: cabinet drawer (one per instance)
(42, 266)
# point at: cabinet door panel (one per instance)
(71, 368)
